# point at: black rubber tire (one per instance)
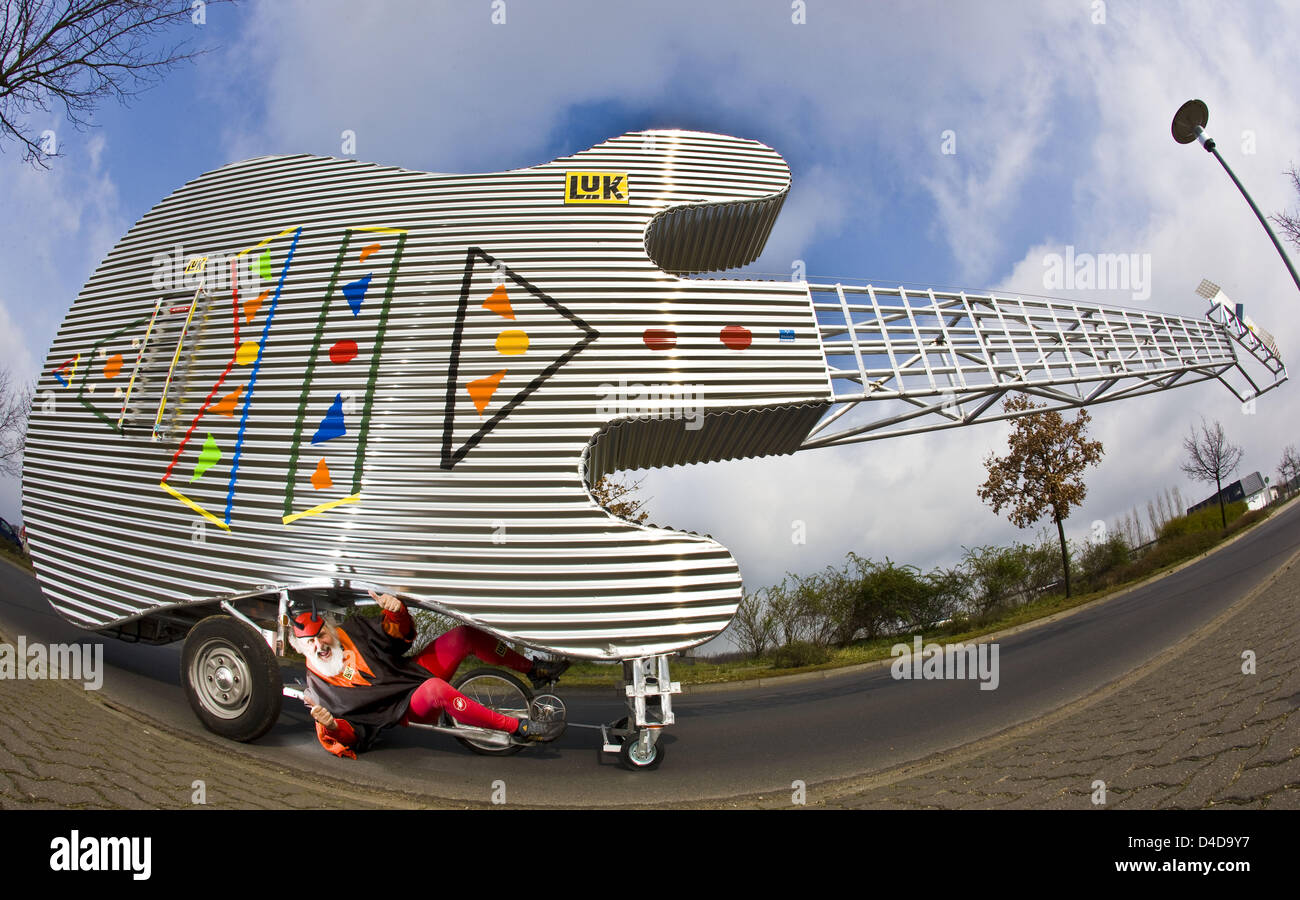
(499, 691)
(630, 762)
(221, 651)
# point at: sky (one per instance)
(939, 145)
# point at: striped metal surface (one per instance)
(377, 376)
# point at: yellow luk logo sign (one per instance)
(595, 187)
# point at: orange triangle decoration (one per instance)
(369, 249)
(499, 303)
(320, 479)
(481, 390)
(252, 306)
(227, 404)
(113, 367)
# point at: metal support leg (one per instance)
(282, 622)
(649, 689)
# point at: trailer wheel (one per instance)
(231, 678)
(498, 691)
(631, 757)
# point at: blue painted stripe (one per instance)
(252, 382)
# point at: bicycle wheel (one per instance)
(498, 691)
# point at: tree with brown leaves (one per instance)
(76, 53)
(620, 498)
(1211, 458)
(1042, 473)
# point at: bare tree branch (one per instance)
(15, 406)
(1288, 470)
(76, 53)
(1211, 458)
(1288, 224)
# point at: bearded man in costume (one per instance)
(360, 681)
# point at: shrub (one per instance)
(754, 625)
(883, 598)
(997, 574)
(1100, 563)
(1246, 520)
(1167, 552)
(1003, 577)
(1207, 519)
(799, 653)
(945, 593)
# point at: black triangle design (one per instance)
(449, 456)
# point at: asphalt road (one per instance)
(742, 741)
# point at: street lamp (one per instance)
(1189, 125)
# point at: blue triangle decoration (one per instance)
(332, 425)
(356, 293)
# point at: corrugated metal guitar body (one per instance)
(300, 371)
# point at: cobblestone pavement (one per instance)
(62, 747)
(1188, 730)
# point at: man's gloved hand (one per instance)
(388, 602)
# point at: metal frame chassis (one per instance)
(952, 356)
(648, 687)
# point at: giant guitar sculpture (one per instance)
(298, 377)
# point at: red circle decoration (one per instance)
(660, 338)
(736, 337)
(343, 352)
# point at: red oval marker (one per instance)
(736, 337)
(660, 338)
(343, 351)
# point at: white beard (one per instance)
(329, 667)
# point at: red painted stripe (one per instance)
(736, 337)
(660, 338)
(342, 352)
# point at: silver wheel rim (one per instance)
(220, 677)
(547, 708)
(634, 753)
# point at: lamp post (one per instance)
(1189, 125)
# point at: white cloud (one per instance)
(820, 203)
(861, 94)
(57, 225)
(913, 499)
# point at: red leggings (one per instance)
(442, 658)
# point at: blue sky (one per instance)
(1060, 114)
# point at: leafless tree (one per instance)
(1287, 223)
(1211, 458)
(15, 406)
(76, 53)
(1288, 470)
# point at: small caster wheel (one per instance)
(632, 756)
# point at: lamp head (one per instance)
(1191, 116)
